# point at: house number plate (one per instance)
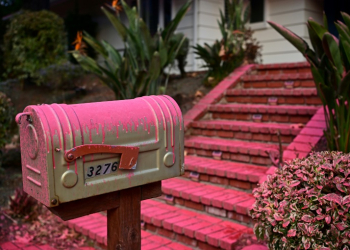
(100, 169)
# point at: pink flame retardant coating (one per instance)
(68, 126)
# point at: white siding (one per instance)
(199, 25)
(207, 29)
(293, 15)
(186, 27)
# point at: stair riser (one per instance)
(277, 84)
(237, 157)
(265, 117)
(300, 100)
(238, 184)
(281, 71)
(245, 136)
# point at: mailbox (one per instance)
(72, 152)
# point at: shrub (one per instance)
(33, 40)
(330, 67)
(305, 205)
(6, 119)
(236, 46)
(23, 206)
(138, 71)
(58, 76)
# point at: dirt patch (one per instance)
(89, 88)
(187, 91)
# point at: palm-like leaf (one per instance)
(328, 61)
(138, 71)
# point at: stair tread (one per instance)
(272, 92)
(261, 108)
(189, 223)
(88, 225)
(278, 77)
(228, 169)
(220, 197)
(247, 126)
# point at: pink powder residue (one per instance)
(130, 175)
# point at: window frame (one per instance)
(262, 24)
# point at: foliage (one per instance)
(138, 71)
(330, 67)
(33, 41)
(23, 206)
(3, 25)
(305, 205)
(6, 119)
(58, 76)
(181, 56)
(236, 45)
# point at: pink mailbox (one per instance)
(71, 152)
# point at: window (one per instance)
(156, 13)
(257, 13)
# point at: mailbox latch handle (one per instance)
(18, 117)
(128, 157)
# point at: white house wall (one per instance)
(186, 27)
(293, 15)
(207, 29)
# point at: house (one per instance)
(200, 23)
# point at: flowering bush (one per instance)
(305, 204)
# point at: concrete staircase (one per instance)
(230, 136)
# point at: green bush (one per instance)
(137, 72)
(236, 45)
(6, 119)
(330, 67)
(33, 40)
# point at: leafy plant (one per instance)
(236, 44)
(305, 205)
(138, 71)
(75, 22)
(23, 206)
(181, 56)
(6, 119)
(330, 67)
(33, 40)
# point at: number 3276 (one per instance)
(106, 168)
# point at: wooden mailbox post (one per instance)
(86, 158)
